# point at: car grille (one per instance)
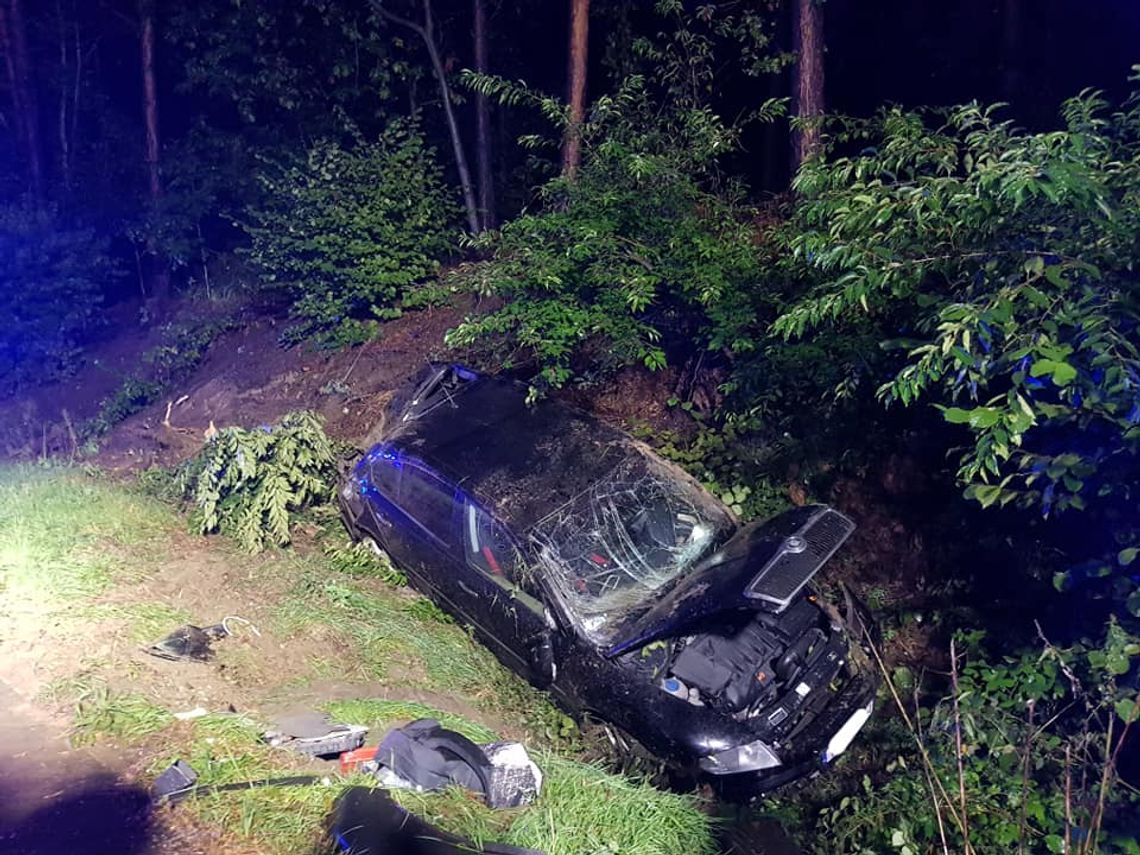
(793, 566)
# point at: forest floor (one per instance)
(91, 570)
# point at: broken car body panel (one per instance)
(613, 579)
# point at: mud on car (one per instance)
(615, 581)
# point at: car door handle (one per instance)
(382, 520)
(468, 589)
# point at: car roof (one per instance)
(522, 461)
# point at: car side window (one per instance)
(487, 546)
(429, 500)
(384, 471)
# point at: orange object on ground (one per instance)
(350, 760)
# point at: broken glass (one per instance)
(611, 548)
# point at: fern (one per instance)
(250, 483)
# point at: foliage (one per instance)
(350, 231)
(1040, 735)
(1000, 264)
(294, 67)
(726, 460)
(582, 808)
(249, 483)
(50, 290)
(645, 248)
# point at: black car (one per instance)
(613, 579)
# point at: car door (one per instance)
(429, 542)
(512, 621)
(412, 512)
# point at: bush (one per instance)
(351, 230)
(634, 248)
(50, 290)
(1000, 267)
(249, 483)
(1040, 735)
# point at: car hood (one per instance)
(764, 565)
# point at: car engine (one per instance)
(763, 665)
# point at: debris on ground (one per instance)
(178, 779)
(188, 644)
(191, 643)
(425, 756)
(312, 733)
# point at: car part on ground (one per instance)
(612, 578)
(191, 643)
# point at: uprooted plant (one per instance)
(250, 483)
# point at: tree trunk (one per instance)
(64, 97)
(25, 108)
(483, 123)
(160, 275)
(578, 54)
(426, 32)
(807, 90)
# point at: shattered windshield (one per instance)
(612, 547)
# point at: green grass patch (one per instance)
(380, 715)
(65, 534)
(386, 626)
(582, 808)
(103, 712)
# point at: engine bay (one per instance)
(760, 666)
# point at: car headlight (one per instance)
(749, 757)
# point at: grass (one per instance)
(66, 534)
(103, 712)
(386, 626)
(380, 715)
(582, 808)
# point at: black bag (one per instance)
(426, 754)
(368, 822)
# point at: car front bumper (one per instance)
(812, 751)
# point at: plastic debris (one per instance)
(175, 782)
(188, 644)
(311, 733)
(365, 821)
(516, 780)
(425, 756)
(197, 712)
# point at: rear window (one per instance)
(442, 384)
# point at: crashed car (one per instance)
(615, 581)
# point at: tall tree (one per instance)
(578, 54)
(25, 108)
(160, 275)
(426, 31)
(483, 122)
(807, 89)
